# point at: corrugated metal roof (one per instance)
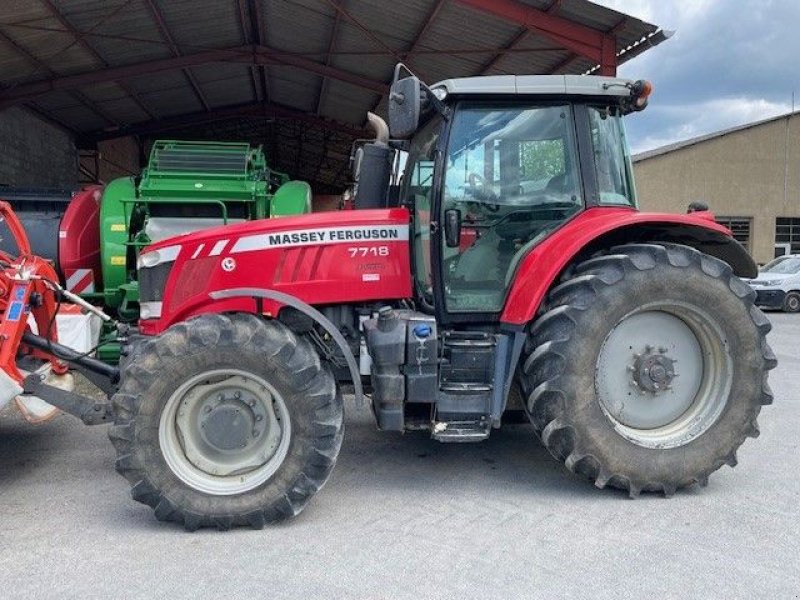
(341, 53)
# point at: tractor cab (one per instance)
(496, 164)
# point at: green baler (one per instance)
(186, 186)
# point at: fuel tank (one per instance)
(321, 258)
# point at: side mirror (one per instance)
(452, 227)
(405, 99)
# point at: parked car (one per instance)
(778, 284)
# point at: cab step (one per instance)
(461, 431)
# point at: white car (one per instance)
(778, 284)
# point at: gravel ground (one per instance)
(407, 517)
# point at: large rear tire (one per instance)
(226, 420)
(648, 369)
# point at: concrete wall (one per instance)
(35, 153)
(740, 174)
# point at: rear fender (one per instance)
(600, 228)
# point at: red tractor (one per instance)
(513, 273)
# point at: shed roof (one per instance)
(296, 75)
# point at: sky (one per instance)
(730, 62)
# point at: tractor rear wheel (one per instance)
(648, 369)
(226, 420)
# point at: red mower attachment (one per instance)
(33, 371)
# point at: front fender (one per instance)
(599, 228)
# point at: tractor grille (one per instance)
(152, 282)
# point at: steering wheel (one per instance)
(479, 190)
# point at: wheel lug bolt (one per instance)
(221, 397)
(207, 409)
(252, 402)
(256, 433)
(237, 395)
(259, 417)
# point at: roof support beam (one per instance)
(79, 38)
(507, 48)
(165, 33)
(584, 41)
(243, 54)
(337, 6)
(257, 27)
(244, 24)
(42, 66)
(274, 111)
(425, 27)
(265, 56)
(323, 88)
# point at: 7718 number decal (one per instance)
(363, 251)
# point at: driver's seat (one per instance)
(557, 184)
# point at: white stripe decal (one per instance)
(218, 248)
(322, 236)
(198, 251)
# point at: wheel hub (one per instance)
(637, 381)
(228, 427)
(653, 371)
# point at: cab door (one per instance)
(510, 176)
(419, 194)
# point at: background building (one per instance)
(749, 176)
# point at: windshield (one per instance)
(784, 265)
(512, 173)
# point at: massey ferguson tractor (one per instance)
(514, 273)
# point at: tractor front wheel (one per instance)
(226, 420)
(648, 369)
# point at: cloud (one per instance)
(727, 64)
(681, 122)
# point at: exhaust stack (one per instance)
(372, 167)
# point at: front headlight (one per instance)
(153, 258)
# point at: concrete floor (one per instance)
(406, 517)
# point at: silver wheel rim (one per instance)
(224, 432)
(793, 303)
(664, 374)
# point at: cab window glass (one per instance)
(418, 194)
(612, 162)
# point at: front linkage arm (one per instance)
(88, 410)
